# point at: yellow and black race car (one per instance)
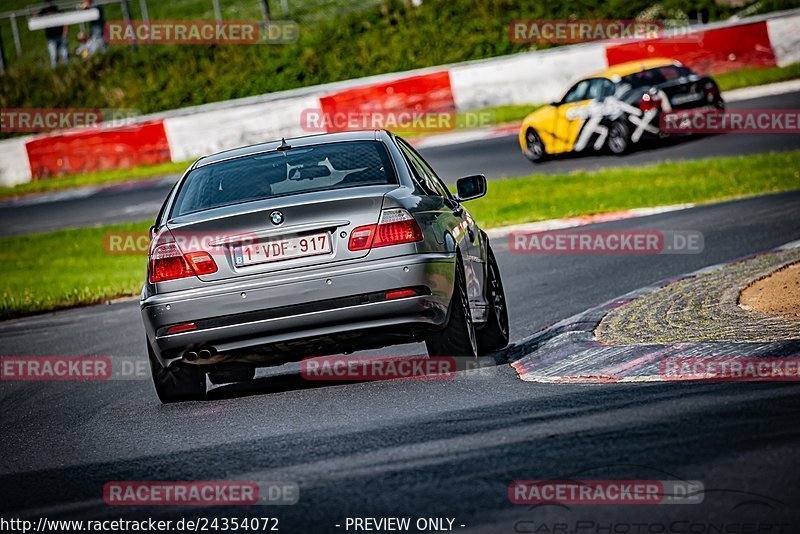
(616, 108)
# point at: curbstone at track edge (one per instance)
(568, 352)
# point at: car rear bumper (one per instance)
(234, 316)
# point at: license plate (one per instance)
(282, 249)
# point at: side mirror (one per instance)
(471, 187)
(153, 230)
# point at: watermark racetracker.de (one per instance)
(198, 32)
(606, 242)
(742, 121)
(418, 121)
(72, 368)
(37, 120)
(586, 30)
(200, 493)
(214, 243)
(606, 491)
(358, 368)
(747, 369)
(580, 503)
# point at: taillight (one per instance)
(710, 92)
(201, 262)
(361, 238)
(649, 102)
(168, 263)
(395, 226)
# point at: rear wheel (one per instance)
(178, 382)
(618, 137)
(458, 336)
(494, 334)
(534, 146)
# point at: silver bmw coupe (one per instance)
(311, 246)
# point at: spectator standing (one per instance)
(95, 42)
(57, 44)
(96, 27)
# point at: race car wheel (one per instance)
(534, 146)
(494, 334)
(179, 382)
(618, 138)
(457, 338)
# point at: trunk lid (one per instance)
(244, 240)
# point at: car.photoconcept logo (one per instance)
(276, 217)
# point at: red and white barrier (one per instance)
(421, 93)
(98, 149)
(214, 130)
(532, 77)
(784, 38)
(710, 52)
(14, 165)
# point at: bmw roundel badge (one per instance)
(276, 217)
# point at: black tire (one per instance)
(493, 335)
(534, 146)
(619, 138)
(457, 338)
(180, 382)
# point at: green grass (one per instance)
(71, 267)
(538, 197)
(142, 172)
(66, 268)
(749, 77)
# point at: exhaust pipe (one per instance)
(190, 355)
(204, 354)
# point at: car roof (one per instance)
(316, 139)
(630, 67)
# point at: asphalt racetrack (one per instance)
(428, 448)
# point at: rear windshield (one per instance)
(280, 173)
(655, 76)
